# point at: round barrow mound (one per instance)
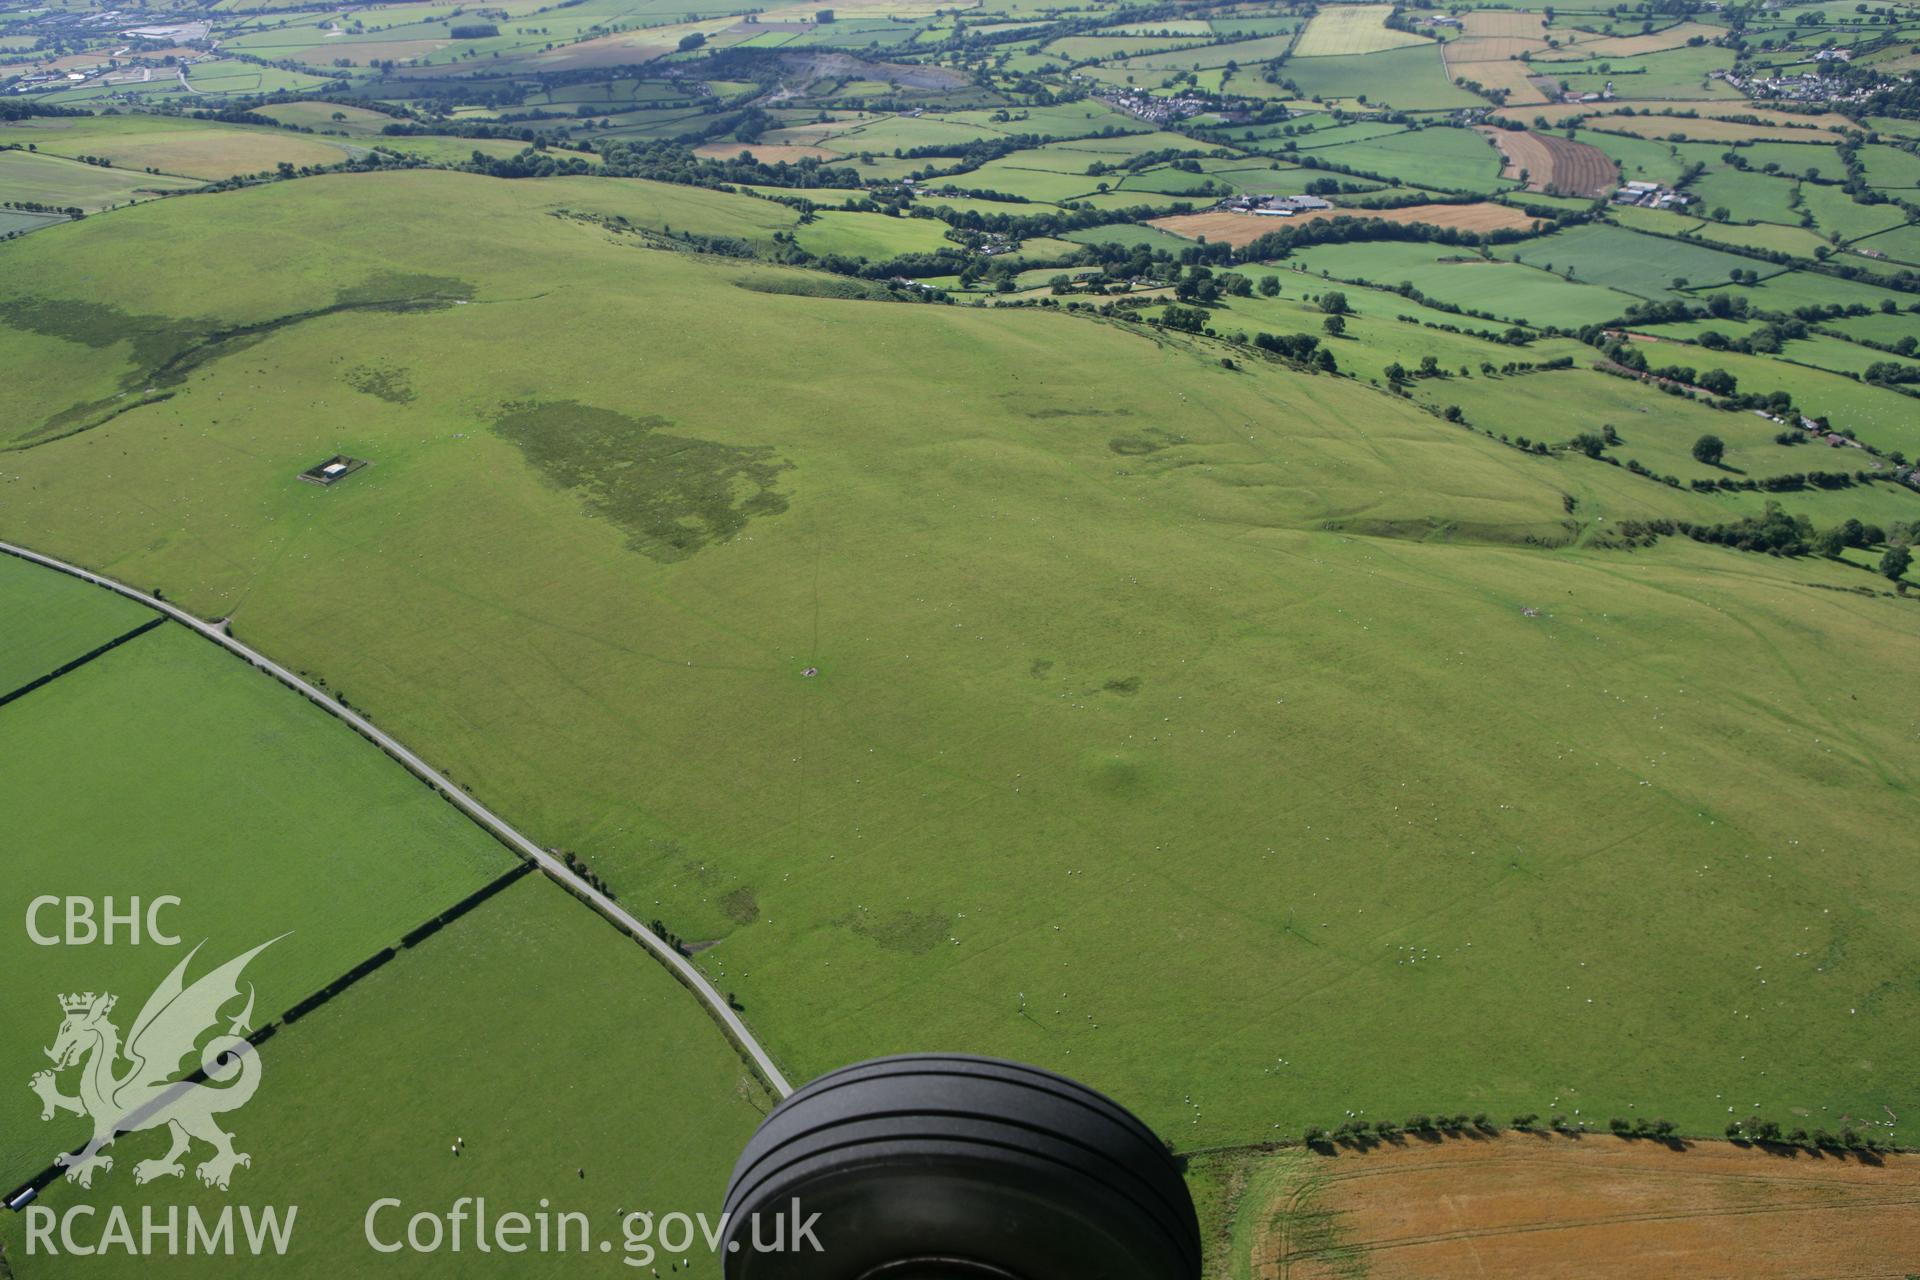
(944, 1165)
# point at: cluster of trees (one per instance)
(659, 930)
(1398, 373)
(530, 162)
(1769, 1133)
(1777, 533)
(1362, 1132)
(1641, 1127)
(577, 865)
(34, 206)
(1626, 358)
(1787, 482)
(1198, 284)
(662, 161)
(1301, 348)
(20, 109)
(1890, 373)
(1282, 241)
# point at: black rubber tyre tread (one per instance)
(785, 1139)
(985, 1116)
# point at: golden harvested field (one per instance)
(1631, 46)
(1495, 22)
(1556, 113)
(1554, 163)
(1493, 36)
(817, 133)
(1490, 49)
(1597, 1208)
(1244, 228)
(1707, 130)
(1349, 29)
(185, 148)
(1504, 74)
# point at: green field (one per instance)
(1352, 29)
(13, 222)
(1514, 292)
(1629, 261)
(872, 235)
(1835, 212)
(1747, 196)
(482, 1033)
(51, 180)
(185, 772)
(53, 619)
(200, 149)
(1891, 167)
(966, 746)
(1797, 241)
(1412, 79)
(1444, 159)
(1796, 159)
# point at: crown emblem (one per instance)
(80, 1002)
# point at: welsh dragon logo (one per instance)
(150, 1091)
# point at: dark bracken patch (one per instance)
(166, 350)
(914, 932)
(384, 381)
(155, 339)
(819, 287)
(1040, 668)
(402, 291)
(1152, 440)
(672, 494)
(1126, 688)
(741, 906)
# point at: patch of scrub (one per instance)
(1152, 440)
(384, 381)
(741, 906)
(914, 932)
(404, 290)
(166, 350)
(155, 339)
(673, 495)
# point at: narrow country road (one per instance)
(716, 1004)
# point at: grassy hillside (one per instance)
(1250, 743)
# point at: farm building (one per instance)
(1274, 206)
(338, 467)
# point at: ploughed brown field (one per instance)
(1554, 163)
(1596, 1207)
(1244, 228)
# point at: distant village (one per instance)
(1144, 106)
(1813, 86)
(111, 68)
